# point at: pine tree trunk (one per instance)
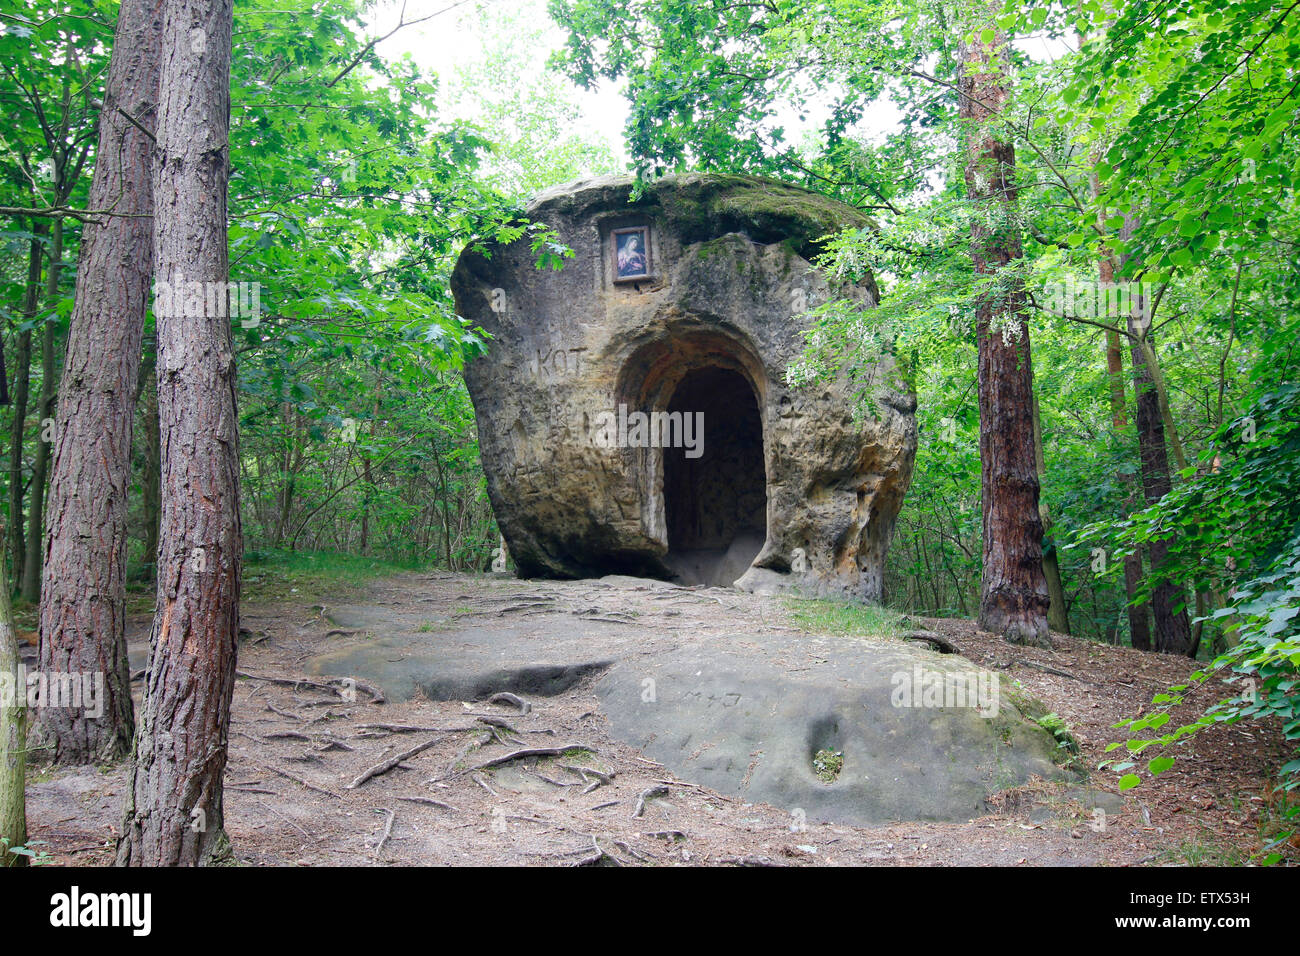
(13, 741)
(84, 597)
(1014, 599)
(174, 813)
(31, 590)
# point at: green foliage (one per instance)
(1234, 523)
(1237, 509)
(350, 202)
(1055, 725)
(1195, 106)
(773, 88)
(352, 192)
(32, 849)
(1265, 667)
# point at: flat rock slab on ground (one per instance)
(742, 713)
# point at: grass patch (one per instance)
(274, 575)
(825, 616)
(297, 575)
(827, 764)
(1197, 851)
(291, 575)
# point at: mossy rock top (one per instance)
(700, 206)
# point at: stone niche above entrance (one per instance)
(633, 410)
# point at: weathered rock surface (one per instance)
(789, 490)
(745, 713)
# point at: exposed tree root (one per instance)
(649, 793)
(505, 697)
(530, 752)
(429, 802)
(392, 762)
(300, 780)
(388, 831)
(339, 685)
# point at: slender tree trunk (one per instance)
(365, 504)
(287, 477)
(1139, 622)
(1139, 618)
(367, 492)
(1058, 615)
(1151, 361)
(1173, 631)
(84, 597)
(35, 516)
(441, 504)
(152, 476)
(1114, 361)
(22, 385)
(174, 809)
(1014, 598)
(13, 740)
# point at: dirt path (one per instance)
(298, 752)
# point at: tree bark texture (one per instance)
(84, 595)
(1014, 599)
(174, 814)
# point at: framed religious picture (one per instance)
(631, 249)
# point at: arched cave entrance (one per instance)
(707, 509)
(715, 494)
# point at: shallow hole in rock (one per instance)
(715, 497)
(534, 680)
(826, 749)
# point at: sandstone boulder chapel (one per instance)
(633, 408)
